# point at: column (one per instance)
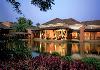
(94, 35)
(45, 34)
(40, 35)
(78, 35)
(62, 34)
(55, 35)
(90, 36)
(30, 32)
(82, 33)
(65, 34)
(81, 38)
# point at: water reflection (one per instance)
(66, 48)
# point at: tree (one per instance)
(44, 5)
(38, 24)
(22, 24)
(29, 22)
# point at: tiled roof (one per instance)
(56, 20)
(72, 21)
(6, 25)
(3, 26)
(92, 30)
(69, 21)
(53, 28)
(94, 22)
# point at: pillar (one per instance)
(82, 33)
(66, 35)
(62, 34)
(55, 35)
(40, 35)
(81, 38)
(45, 34)
(29, 31)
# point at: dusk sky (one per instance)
(78, 9)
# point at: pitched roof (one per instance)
(94, 22)
(69, 21)
(56, 20)
(3, 26)
(92, 30)
(53, 28)
(6, 25)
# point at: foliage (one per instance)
(48, 62)
(29, 22)
(91, 60)
(15, 49)
(22, 24)
(44, 5)
(67, 58)
(21, 49)
(16, 5)
(97, 64)
(55, 54)
(38, 24)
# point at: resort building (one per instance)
(57, 29)
(68, 29)
(5, 27)
(83, 37)
(7, 31)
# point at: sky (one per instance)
(81, 10)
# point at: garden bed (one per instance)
(49, 62)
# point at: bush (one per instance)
(55, 54)
(93, 61)
(15, 49)
(89, 60)
(67, 58)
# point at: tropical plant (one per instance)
(89, 60)
(15, 48)
(55, 54)
(67, 58)
(21, 49)
(22, 24)
(93, 61)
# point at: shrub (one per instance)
(93, 61)
(55, 54)
(89, 60)
(67, 58)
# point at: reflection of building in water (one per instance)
(91, 48)
(87, 47)
(61, 48)
(75, 48)
(67, 48)
(56, 47)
